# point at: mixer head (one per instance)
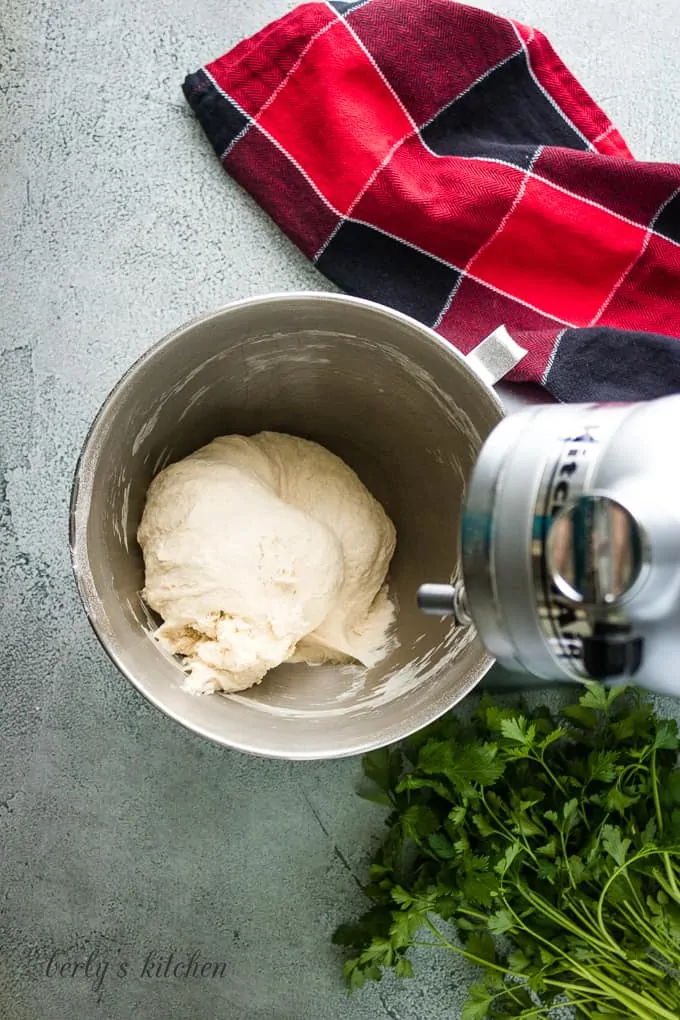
(570, 545)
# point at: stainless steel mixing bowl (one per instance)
(390, 397)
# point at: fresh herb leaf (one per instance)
(547, 869)
(479, 1001)
(481, 945)
(418, 821)
(482, 824)
(570, 815)
(602, 766)
(518, 961)
(463, 765)
(411, 782)
(382, 767)
(600, 698)
(585, 717)
(511, 853)
(403, 968)
(403, 928)
(520, 730)
(635, 724)
(367, 791)
(441, 846)
(552, 737)
(615, 845)
(480, 890)
(554, 850)
(670, 791)
(500, 922)
(667, 736)
(458, 814)
(619, 802)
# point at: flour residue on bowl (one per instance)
(363, 693)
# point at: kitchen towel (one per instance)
(444, 161)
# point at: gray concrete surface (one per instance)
(120, 833)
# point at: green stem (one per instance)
(545, 1011)
(638, 901)
(657, 937)
(566, 859)
(626, 996)
(590, 1001)
(655, 793)
(639, 924)
(464, 952)
(504, 830)
(567, 988)
(631, 769)
(640, 1006)
(675, 893)
(478, 916)
(671, 878)
(632, 999)
(541, 761)
(588, 921)
(639, 856)
(668, 888)
(508, 992)
(561, 919)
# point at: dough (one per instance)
(261, 550)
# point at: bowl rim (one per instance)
(80, 500)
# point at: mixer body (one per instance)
(570, 544)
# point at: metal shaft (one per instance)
(436, 599)
(444, 600)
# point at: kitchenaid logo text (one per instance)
(99, 968)
(574, 461)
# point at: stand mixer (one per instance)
(569, 563)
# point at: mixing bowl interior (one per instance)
(388, 398)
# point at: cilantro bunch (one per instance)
(545, 850)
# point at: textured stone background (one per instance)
(119, 831)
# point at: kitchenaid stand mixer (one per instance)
(570, 544)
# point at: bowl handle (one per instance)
(495, 356)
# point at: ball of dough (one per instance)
(262, 549)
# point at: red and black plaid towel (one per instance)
(444, 161)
